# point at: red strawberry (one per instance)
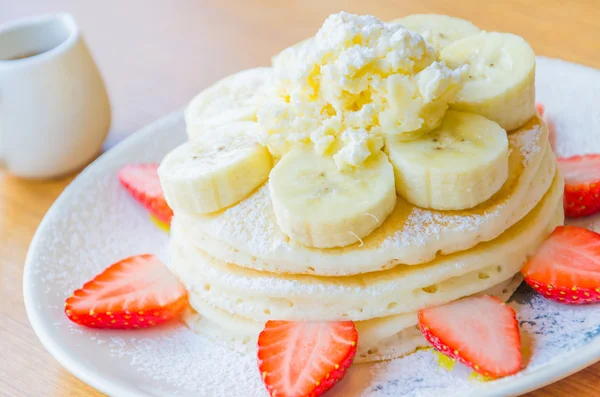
(566, 267)
(141, 180)
(582, 184)
(481, 332)
(136, 292)
(305, 359)
(540, 108)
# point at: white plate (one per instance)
(94, 223)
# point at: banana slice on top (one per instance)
(458, 165)
(222, 168)
(319, 206)
(233, 98)
(501, 83)
(439, 30)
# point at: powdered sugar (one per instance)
(182, 359)
(95, 223)
(529, 143)
(570, 94)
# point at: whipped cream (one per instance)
(358, 80)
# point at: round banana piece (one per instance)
(500, 85)
(233, 98)
(213, 173)
(439, 30)
(319, 206)
(458, 165)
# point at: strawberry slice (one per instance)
(540, 108)
(141, 180)
(480, 332)
(582, 184)
(136, 292)
(299, 359)
(566, 267)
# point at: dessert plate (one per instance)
(94, 223)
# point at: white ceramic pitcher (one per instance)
(54, 110)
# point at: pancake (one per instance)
(262, 295)
(378, 339)
(247, 235)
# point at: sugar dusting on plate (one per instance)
(192, 363)
(104, 225)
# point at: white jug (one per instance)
(54, 110)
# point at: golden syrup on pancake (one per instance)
(477, 377)
(445, 362)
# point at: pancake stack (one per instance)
(256, 238)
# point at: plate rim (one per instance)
(571, 363)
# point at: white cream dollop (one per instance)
(358, 79)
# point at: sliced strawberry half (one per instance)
(141, 180)
(566, 267)
(298, 359)
(582, 184)
(540, 108)
(136, 292)
(481, 332)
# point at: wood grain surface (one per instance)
(156, 55)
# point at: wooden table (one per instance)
(156, 55)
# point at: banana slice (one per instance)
(223, 168)
(233, 98)
(501, 77)
(319, 206)
(456, 166)
(439, 30)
